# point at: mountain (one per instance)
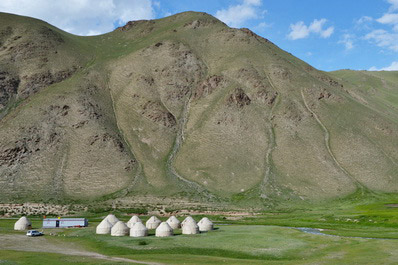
(186, 109)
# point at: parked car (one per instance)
(34, 233)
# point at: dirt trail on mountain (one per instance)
(42, 244)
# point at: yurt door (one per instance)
(57, 223)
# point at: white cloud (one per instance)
(394, 4)
(301, 31)
(82, 17)
(167, 14)
(348, 41)
(389, 18)
(237, 15)
(364, 19)
(392, 67)
(327, 32)
(384, 39)
(252, 2)
(262, 26)
(316, 25)
(298, 31)
(93, 32)
(364, 23)
(156, 4)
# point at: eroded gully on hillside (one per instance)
(170, 170)
(266, 183)
(138, 172)
(327, 144)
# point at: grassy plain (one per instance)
(356, 233)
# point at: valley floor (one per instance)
(364, 235)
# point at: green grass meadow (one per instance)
(358, 234)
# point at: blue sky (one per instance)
(330, 35)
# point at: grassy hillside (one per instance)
(187, 108)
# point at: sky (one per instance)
(328, 34)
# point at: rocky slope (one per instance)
(184, 107)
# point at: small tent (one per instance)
(112, 219)
(153, 222)
(189, 218)
(173, 222)
(190, 227)
(164, 230)
(134, 219)
(104, 227)
(119, 229)
(138, 230)
(205, 224)
(23, 223)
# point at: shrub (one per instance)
(142, 243)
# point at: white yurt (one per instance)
(173, 222)
(164, 230)
(112, 219)
(104, 227)
(153, 222)
(138, 230)
(190, 227)
(189, 218)
(23, 223)
(205, 224)
(119, 229)
(134, 219)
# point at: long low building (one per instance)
(64, 222)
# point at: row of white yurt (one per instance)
(111, 225)
(154, 222)
(189, 225)
(121, 229)
(136, 228)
